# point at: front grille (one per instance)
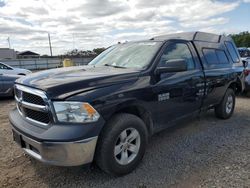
(18, 93)
(34, 99)
(32, 104)
(38, 116)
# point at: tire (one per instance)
(111, 137)
(226, 107)
(248, 93)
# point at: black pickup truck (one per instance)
(106, 111)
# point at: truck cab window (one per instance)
(215, 56)
(177, 51)
(210, 56)
(222, 57)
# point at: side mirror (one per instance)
(173, 65)
(245, 63)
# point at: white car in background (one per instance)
(6, 69)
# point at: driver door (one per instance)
(179, 94)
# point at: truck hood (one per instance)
(65, 82)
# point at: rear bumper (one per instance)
(58, 153)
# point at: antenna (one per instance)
(50, 44)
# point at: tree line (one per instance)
(84, 53)
(242, 39)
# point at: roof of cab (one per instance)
(193, 36)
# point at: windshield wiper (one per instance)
(115, 66)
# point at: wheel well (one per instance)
(141, 113)
(236, 87)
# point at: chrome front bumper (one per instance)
(58, 153)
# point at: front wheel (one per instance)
(226, 108)
(121, 144)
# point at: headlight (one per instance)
(75, 112)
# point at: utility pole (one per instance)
(73, 41)
(50, 44)
(8, 39)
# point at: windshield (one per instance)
(128, 55)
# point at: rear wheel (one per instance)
(121, 144)
(248, 93)
(226, 108)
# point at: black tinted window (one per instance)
(177, 51)
(232, 52)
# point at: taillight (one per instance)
(247, 72)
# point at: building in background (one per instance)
(27, 55)
(7, 53)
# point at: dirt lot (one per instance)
(205, 152)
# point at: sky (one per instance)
(88, 24)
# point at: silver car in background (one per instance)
(6, 84)
(6, 69)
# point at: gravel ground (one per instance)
(204, 152)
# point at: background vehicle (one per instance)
(245, 56)
(107, 111)
(7, 84)
(247, 80)
(6, 69)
